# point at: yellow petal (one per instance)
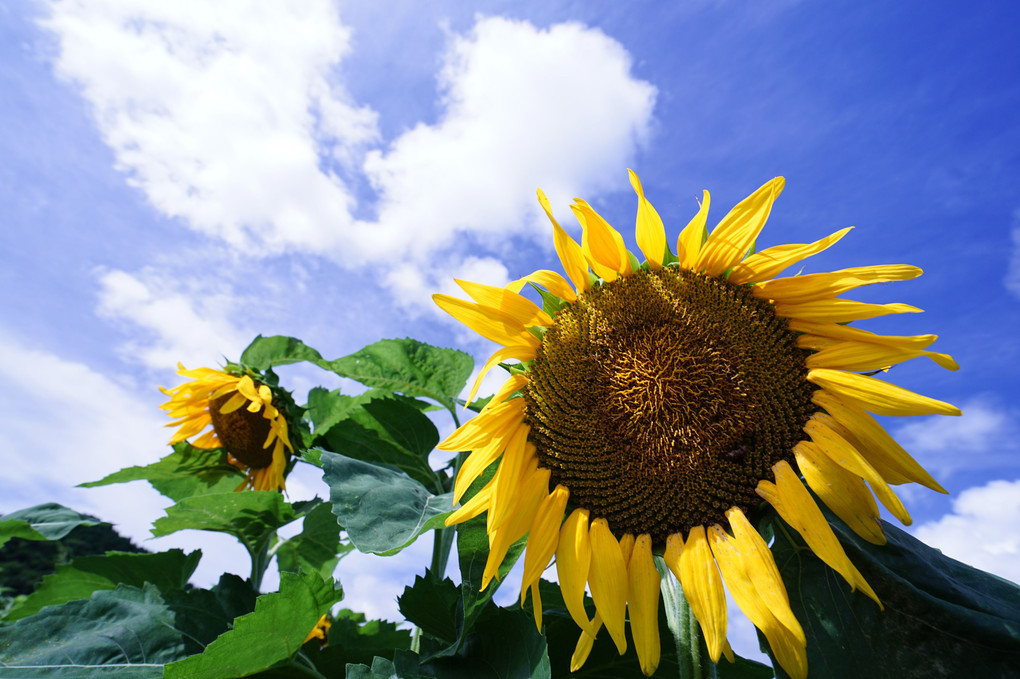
(760, 565)
(513, 384)
(571, 256)
(651, 235)
(702, 585)
(815, 286)
(521, 353)
(845, 333)
(846, 456)
(841, 491)
(688, 244)
(793, 502)
(764, 265)
(482, 428)
(736, 233)
(863, 356)
(839, 310)
(643, 603)
(602, 245)
(550, 280)
(491, 324)
(527, 500)
(741, 579)
(608, 581)
(536, 605)
(507, 301)
(545, 534)
(876, 396)
(233, 403)
(476, 463)
(510, 477)
(873, 441)
(473, 507)
(573, 563)
(584, 645)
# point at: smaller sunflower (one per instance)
(320, 631)
(243, 418)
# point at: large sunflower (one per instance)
(243, 418)
(662, 401)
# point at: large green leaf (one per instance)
(204, 614)
(352, 639)
(409, 367)
(87, 574)
(48, 521)
(127, 632)
(389, 432)
(317, 548)
(252, 517)
(942, 618)
(272, 634)
(431, 604)
(265, 352)
(326, 408)
(383, 510)
(186, 472)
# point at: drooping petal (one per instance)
(571, 256)
(527, 501)
(736, 233)
(550, 280)
(877, 396)
(815, 286)
(513, 384)
(840, 310)
(584, 645)
(798, 508)
(476, 463)
(507, 301)
(608, 581)
(232, 404)
(602, 245)
(492, 324)
(573, 563)
(521, 353)
(479, 430)
(874, 442)
(846, 456)
(764, 265)
(702, 585)
(863, 356)
(510, 477)
(688, 244)
(544, 537)
(643, 603)
(844, 333)
(841, 491)
(649, 231)
(473, 507)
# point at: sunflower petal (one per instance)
(573, 563)
(527, 500)
(862, 356)
(473, 507)
(841, 491)
(702, 585)
(651, 235)
(764, 265)
(602, 245)
(507, 301)
(735, 234)
(521, 353)
(845, 333)
(482, 428)
(545, 533)
(815, 286)
(643, 603)
(879, 397)
(550, 280)
(492, 324)
(584, 645)
(510, 477)
(688, 244)
(838, 310)
(608, 581)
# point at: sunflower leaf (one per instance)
(317, 548)
(431, 604)
(383, 510)
(942, 618)
(274, 632)
(353, 639)
(186, 472)
(265, 352)
(49, 521)
(87, 574)
(204, 614)
(252, 517)
(127, 631)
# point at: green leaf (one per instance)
(127, 632)
(48, 521)
(942, 618)
(265, 352)
(409, 367)
(252, 517)
(431, 604)
(186, 472)
(382, 510)
(87, 574)
(204, 614)
(381, 669)
(317, 548)
(326, 408)
(273, 633)
(352, 639)
(389, 432)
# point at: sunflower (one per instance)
(243, 418)
(662, 401)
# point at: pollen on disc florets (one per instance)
(663, 398)
(242, 432)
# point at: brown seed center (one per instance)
(242, 433)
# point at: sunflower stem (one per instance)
(691, 653)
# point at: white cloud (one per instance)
(984, 436)
(190, 326)
(982, 529)
(1012, 279)
(225, 114)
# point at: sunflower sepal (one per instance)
(551, 304)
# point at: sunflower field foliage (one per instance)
(834, 591)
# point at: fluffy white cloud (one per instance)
(225, 114)
(982, 529)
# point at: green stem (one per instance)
(691, 654)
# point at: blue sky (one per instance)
(176, 179)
